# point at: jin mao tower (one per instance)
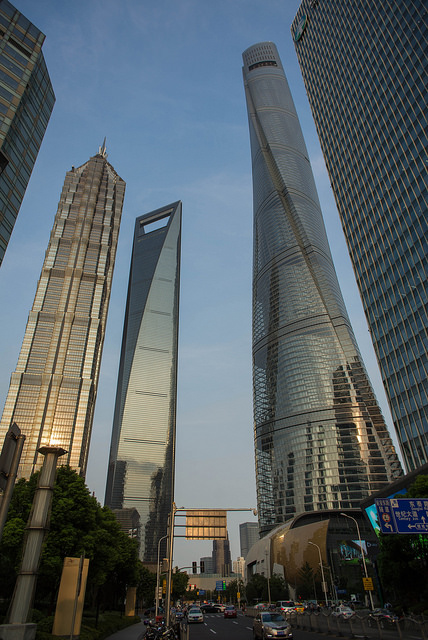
(142, 453)
(53, 389)
(364, 65)
(320, 438)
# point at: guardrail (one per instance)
(356, 626)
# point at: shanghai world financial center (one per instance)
(142, 454)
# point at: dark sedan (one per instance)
(382, 617)
(210, 608)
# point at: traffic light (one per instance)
(202, 566)
(194, 567)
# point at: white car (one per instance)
(195, 615)
(343, 611)
(270, 624)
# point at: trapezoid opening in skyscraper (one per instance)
(142, 454)
(320, 438)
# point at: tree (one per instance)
(257, 588)
(305, 582)
(403, 562)
(278, 588)
(78, 526)
(179, 584)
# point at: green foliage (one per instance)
(306, 580)
(403, 562)
(256, 589)
(146, 586)
(78, 526)
(278, 588)
(179, 584)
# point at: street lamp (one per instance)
(345, 515)
(157, 577)
(322, 571)
(268, 574)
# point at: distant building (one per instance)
(248, 535)
(222, 562)
(53, 389)
(129, 521)
(320, 438)
(239, 567)
(26, 103)
(364, 65)
(207, 563)
(142, 452)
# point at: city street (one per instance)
(215, 625)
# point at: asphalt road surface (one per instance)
(216, 627)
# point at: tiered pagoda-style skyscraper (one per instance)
(142, 454)
(26, 103)
(364, 65)
(53, 389)
(320, 439)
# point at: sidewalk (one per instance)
(134, 632)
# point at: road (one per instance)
(216, 627)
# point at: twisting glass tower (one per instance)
(142, 453)
(320, 438)
(364, 65)
(53, 389)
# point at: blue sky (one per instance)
(163, 82)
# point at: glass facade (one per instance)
(26, 103)
(142, 454)
(364, 68)
(320, 439)
(53, 389)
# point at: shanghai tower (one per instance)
(320, 438)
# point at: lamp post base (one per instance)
(17, 631)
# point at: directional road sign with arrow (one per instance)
(402, 515)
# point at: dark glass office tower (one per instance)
(53, 390)
(142, 453)
(320, 439)
(26, 103)
(365, 67)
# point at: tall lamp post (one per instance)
(268, 573)
(345, 515)
(324, 585)
(157, 577)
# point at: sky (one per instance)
(162, 81)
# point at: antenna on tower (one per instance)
(102, 150)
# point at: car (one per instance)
(209, 607)
(300, 608)
(286, 606)
(230, 611)
(195, 615)
(262, 605)
(383, 618)
(270, 624)
(220, 607)
(342, 611)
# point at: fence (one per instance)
(356, 626)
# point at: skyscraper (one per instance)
(53, 389)
(26, 103)
(248, 535)
(142, 453)
(320, 438)
(364, 68)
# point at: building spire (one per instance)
(102, 150)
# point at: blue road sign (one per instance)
(402, 515)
